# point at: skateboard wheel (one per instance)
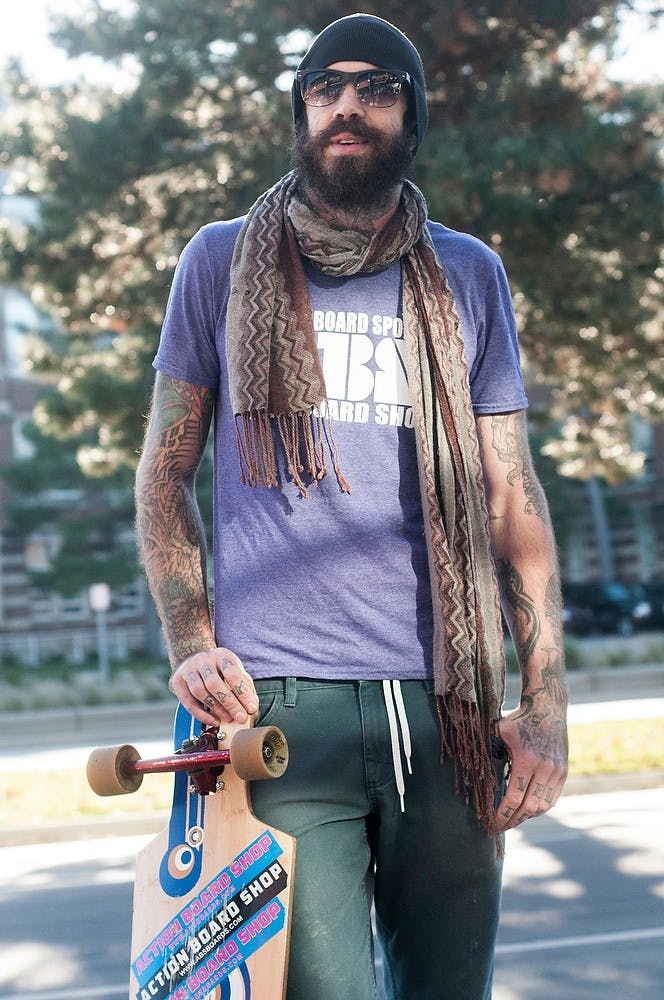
(106, 771)
(259, 753)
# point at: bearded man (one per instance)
(374, 495)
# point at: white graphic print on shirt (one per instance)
(363, 358)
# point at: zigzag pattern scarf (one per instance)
(276, 380)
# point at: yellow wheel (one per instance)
(106, 770)
(259, 753)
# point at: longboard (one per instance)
(212, 893)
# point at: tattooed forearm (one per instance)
(169, 527)
(527, 632)
(511, 446)
(553, 605)
(550, 682)
(177, 601)
(520, 610)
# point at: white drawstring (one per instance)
(392, 694)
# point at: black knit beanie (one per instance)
(365, 38)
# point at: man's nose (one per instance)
(349, 105)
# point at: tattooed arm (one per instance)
(525, 556)
(209, 681)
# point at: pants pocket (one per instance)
(270, 702)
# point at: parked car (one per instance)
(654, 591)
(577, 618)
(605, 607)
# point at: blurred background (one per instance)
(126, 126)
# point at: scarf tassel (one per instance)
(302, 437)
(466, 739)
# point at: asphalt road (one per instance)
(583, 905)
(583, 912)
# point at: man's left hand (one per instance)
(536, 738)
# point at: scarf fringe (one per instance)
(302, 437)
(466, 739)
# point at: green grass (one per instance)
(616, 747)
(62, 796)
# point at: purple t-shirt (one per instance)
(337, 585)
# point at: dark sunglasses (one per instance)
(378, 88)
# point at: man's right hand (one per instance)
(214, 687)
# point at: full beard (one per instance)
(365, 182)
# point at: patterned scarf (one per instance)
(276, 380)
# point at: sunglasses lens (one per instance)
(319, 89)
(376, 88)
(379, 89)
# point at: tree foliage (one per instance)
(531, 147)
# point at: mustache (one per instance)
(357, 128)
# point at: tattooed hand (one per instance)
(214, 686)
(536, 738)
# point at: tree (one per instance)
(531, 147)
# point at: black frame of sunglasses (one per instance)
(354, 78)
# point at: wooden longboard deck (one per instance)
(212, 898)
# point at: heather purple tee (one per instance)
(336, 586)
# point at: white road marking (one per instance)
(581, 941)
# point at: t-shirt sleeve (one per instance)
(496, 380)
(187, 347)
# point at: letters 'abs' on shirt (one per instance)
(336, 586)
